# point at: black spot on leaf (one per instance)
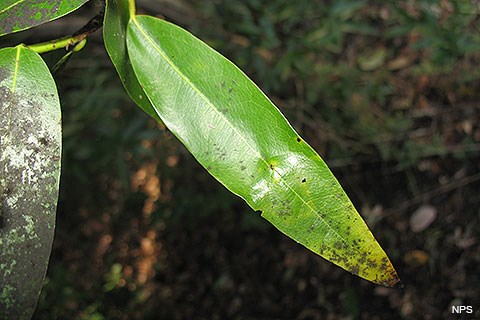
(43, 141)
(7, 191)
(355, 269)
(304, 180)
(371, 263)
(299, 139)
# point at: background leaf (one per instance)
(117, 15)
(243, 140)
(30, 151)
(18, 15)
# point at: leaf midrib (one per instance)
(11, 6)
(15, 72)
(210, 104)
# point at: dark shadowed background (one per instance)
(386, 91)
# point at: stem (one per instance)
(71, 42)
(52, 45)
(131, 8)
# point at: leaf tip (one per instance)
(389, 277)
(392, 281)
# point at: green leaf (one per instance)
(30, 150)
(117, 15)
(18, 15)
(244, 141)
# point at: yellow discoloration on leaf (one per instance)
(191, 94)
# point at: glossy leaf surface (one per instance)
(30, 150)
(18, 15)
(117, 15)
(244, 141)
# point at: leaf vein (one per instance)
(15, 72)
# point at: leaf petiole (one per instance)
(131, 8)
(67, 43)
(74, 42)
(61, 63)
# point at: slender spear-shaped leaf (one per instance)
(244, 141)
(30, 150)
(117, 15)
(18, 15)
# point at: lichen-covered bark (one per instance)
(30, 149)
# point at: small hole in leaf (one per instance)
(259, 211)
(304, 180)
